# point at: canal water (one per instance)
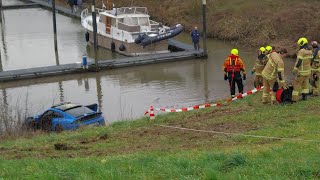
(122, 94)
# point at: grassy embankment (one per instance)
(143, 150)
(247, 22)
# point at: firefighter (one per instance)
(315, 68)
(302, 70)
(272, 73)
(259, 66)
(233, 67)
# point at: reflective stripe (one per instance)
(233, 67)
(282, 81)
(316, 70)
(273, 65)
(304, 58)
(305, 73)
(265, 94)
(305, 90)
(295, 93)
(266, 76)
(280, 69)
(260, 65)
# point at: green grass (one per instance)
(142, 150)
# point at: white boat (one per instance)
(117, 30)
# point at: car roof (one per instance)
(65, 106)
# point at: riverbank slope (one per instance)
(247, 22)
(147, 150)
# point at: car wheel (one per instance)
(58, 128)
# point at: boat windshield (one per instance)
(143, 21)
(131, 21)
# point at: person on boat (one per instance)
(315, 68)
(259, 66)
(71, 4)
(233, 67)
(272, 74)
(79, 3)
(75, 6)
(302, 70)
(195, 35)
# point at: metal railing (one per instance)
(132, 10)
(84, 14)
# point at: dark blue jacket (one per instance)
(195, 36)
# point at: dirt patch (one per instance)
(63, 146)
(104, 137)
(95, 139)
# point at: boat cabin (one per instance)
(129, 19)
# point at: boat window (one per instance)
(131, 21)
(120, 20)
(113, 22)
(143, 21)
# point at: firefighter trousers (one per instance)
(300, 85)
(315, 82)
(268, 84)
(232, 82)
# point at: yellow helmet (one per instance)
(302, 41)
(269, 48)
(234, 52)
(263, 50)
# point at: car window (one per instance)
(57, 115)
(78, 111)
(48, 113)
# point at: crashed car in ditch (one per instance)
(66, 116)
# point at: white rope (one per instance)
(237, 134)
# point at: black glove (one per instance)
(225, 77)
(315, 77)
(244, 77)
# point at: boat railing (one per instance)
(154, 25)
(84, 14)
(98, 10)
(132, 10)
(128, 28)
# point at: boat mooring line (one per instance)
(237, 134)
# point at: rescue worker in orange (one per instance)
(272, 73)
(259, 66)
(234, 71)
(302, 70)
(315, 68)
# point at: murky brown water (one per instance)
(121, 93)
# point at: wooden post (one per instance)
(204, 26)
(94, 20)
(55, 31)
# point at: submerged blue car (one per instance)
(66, 116)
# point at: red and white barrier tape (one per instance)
(204, 105)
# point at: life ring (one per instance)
(87, 36)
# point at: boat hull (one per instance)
(131, 49)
